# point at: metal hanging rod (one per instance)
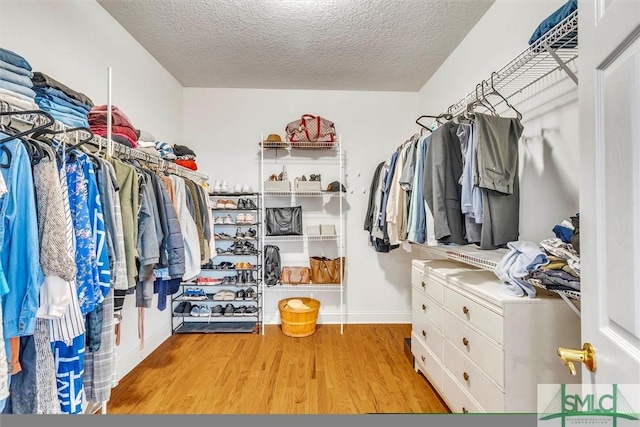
(101, 142)
(554, 51)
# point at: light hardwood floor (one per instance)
(363, 371)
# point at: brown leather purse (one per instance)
(295, 275)
(326, 271)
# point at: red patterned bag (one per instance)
(311, 129)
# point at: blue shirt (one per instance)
(417, 222)
(20, 256)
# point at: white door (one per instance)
(609, 93)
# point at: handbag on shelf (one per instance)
(310, 128)
(284, 221)
(295, 275)
(326, 271)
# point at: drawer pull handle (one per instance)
(465, 310)
(424, 333)
(424, 285)
(424, 359)
(465, 376)
(465, 341)
(464, 410)
(424, 307)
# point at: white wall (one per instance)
(74, 42)
(548, 161)
(224, 127)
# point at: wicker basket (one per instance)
(299, 323)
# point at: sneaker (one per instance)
(249, 294)
(228, 220)
(237, 188)
(240, 295)
(242, 204)
(240, 311)
(250, 204)
(221, 203)
(180, 308)
(248, 219)
(217, 186)
(247, 189)
(205, 311)
(229, 310)
(195, 311)
(230, 204)
(251, 311)
(224, 187)
(217, 311)
(251, 232)
(240, 218)
(219, 220)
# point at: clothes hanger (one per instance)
(67, 131)
(445, 116)
(19, 135)
(508, 104)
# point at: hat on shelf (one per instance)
(336, 186)
(274, 140)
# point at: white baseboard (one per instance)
(352, 317)
(126, 362)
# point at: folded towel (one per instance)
(14, 59)
(149, 150)
(42, 80)
(16, 78)
(122, 130)
(69, 119)
(17, 70)
(182, 150)
(146, 144)
(17, 88)
(189, 164)
(16, 95)
(166, 152)
(18, 102)
(48, 105)
(98, 117)
(143, 135)
(59, 97)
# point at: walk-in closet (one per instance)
(400, 208)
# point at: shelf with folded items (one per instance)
(303, 193)
(569, 294)
(210, 299)
(237, 224)
(218, 325)
(302, 238)
(233, 194)
(305, 288)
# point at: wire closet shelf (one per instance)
(103, 143)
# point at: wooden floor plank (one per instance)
(363, 371)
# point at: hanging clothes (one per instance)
(189, 231)
(416, 228)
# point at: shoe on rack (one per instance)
(237, 188)
(205, 311)
(251, 232)
(242, 204)
(249, 294)
(219, 296)
(229, 296)
(229, 310)
(217, 311)
(240, 295)
(219, 220)
(250, 278)
(240, 218)
(240, 311)
(228, 220)
(195, 311)
(180, 308)
(251, 311)
(247, 189)
(224, 187)
(217, 187)
(250, 204)
(223, 236)
(239, 233)
(221, 204)
(248, 219)
(230, 204)
(238, 249)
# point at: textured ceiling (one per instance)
(299, 44)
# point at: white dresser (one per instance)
(482, 349)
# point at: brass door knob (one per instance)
(465, 310)
(587, 356)
(465, 376)
(465, 341)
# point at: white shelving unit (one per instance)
(308, 155)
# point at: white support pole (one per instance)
(109, 118)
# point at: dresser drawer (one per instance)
(457, 397)
(428, 285)
(475, 382)
(479, 349)
(426, 362)
(469, 311)
(428, 335)
(428, 307)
